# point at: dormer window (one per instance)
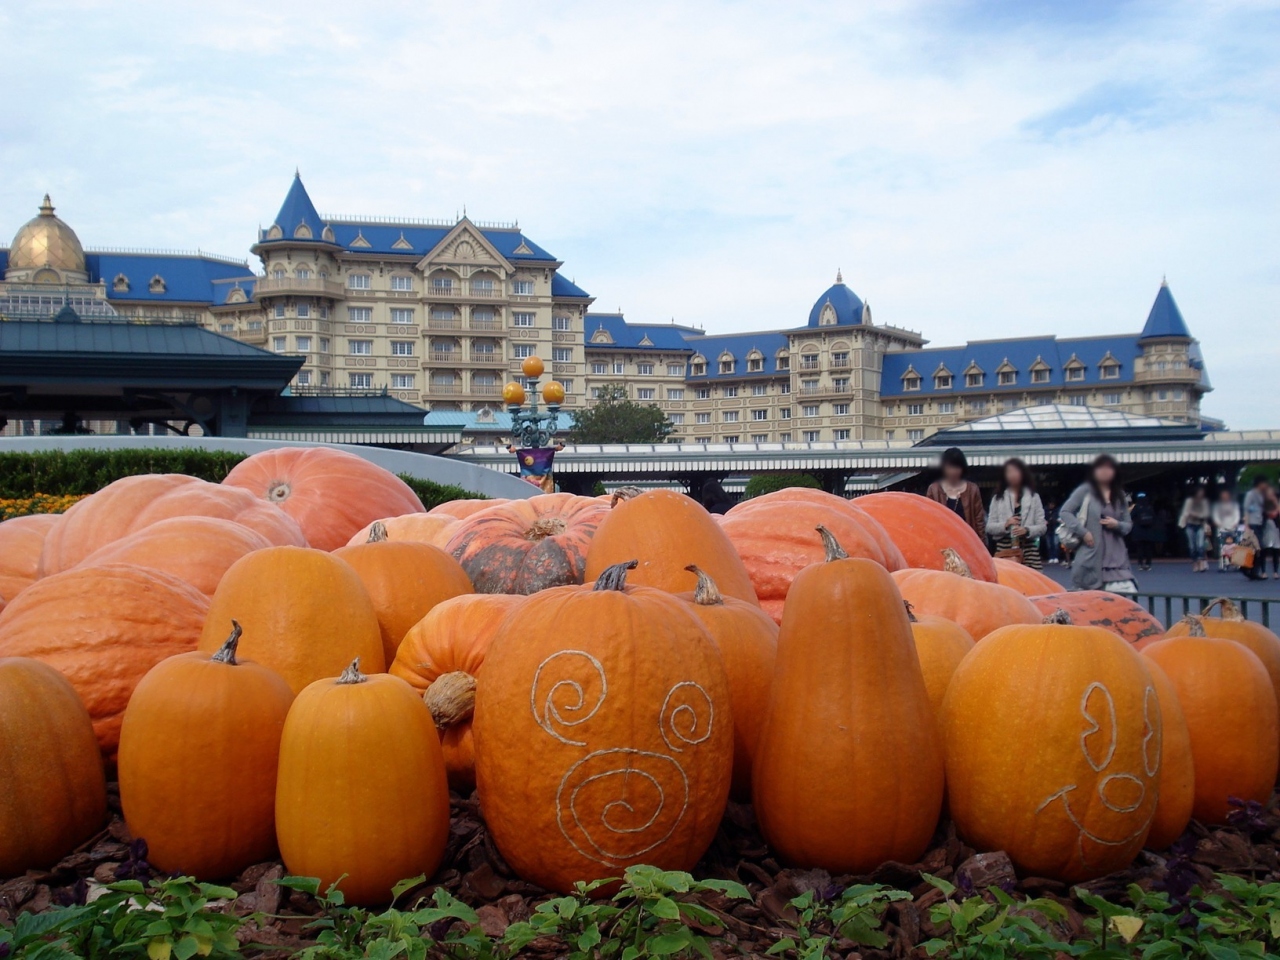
(755, 362)
(1109, 369)
(1040, 375)
(1007, 378)
(911, 382)
(120, 284)
(157, 284)
(727, 364)
(943, 381)
(302, 232)
(698, 366)
(784, 361)
(1075, 374)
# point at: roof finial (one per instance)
(46, 208)
(297, 174)
(839, 276)
(1164, 277)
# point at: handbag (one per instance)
(1064, 534)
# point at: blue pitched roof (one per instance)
(844, 301)
(633, 336)
(739, 345)
(1021, 354)
(564, 287)
(297, 210)
(1165, 319)
(188, 278)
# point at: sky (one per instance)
(977, 170)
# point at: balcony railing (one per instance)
(810, 364)
(827, 390)
(444, 323)
(446, 356)
(491, 357)
(480, 324)
(272, 286)
(454, 389)
(463, 291)
(486, 389)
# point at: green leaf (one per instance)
(782, 946)
(947, 888)
(186, 948)
(127, 886)
(665, 944)
(309, 885)
(665, 908)
(405, 885)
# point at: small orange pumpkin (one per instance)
(441, 657)
(330, 493)
(1111, 611)
(1231, 625)
(432, 528)
(214, 721)
(1177, 765)
(978, 606)
(748, 642)
(405, 580)
(21, 541)
(922, 529)
(306, 614)
(940, 644)
(54, 795)
(1028, 582)
(361, 797)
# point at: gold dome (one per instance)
(45, 241)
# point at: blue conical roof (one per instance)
(298, 210)
(1165, 319)
(845, 303)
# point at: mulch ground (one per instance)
(475, 872)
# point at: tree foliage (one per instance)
(761, 483)
(615, 418)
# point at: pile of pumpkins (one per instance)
(301, 659)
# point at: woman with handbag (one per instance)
(1096, 516)
(957, 494)
(1016, 519)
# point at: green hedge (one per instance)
(78, 472)
(761, 483)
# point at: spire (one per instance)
(46, 208)
(298, 216)
(1165, 319)
(839, 276)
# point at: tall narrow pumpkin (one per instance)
(405, 580)
(21, 541)
(330, 493)
(748, 642)
(1231, 625)
(604, 734)
(848, 772)
(667, 532)
(306, 614)
(1099, 608)
(103, 628)
(54, 793)
(940, 644)
(1232, 717)
(922, 529)
(1177, 765)
(212, 722)
(976, 605)
(441, 658)
(361, 793)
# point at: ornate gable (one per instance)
(465, 245)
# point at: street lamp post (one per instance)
(533, 431)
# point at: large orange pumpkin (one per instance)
(306, 614)
(1177, 765)
(461, 509)
(848, 772)
(1231, 712)
(667, 531)
(820, 498)
(331, 493)
(748, 642)
(1111, 611)
(361, 797)
(524, 546)
(441, 657)
(21, 541)
(922, 529)
(198, 550)
(54, 793)
(1053, 749)
(1028, 582)
(979, 607)
(132, 503)
(1232, 625)
(405, 580)
(435, 529)
(103, 628)
(940, 645)
(213, 722)
(776, 538)
(604, 734)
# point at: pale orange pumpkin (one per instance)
(1028, 582)
(820, 498)
(432, 528)
(922, 529)
(461, 509)
(1231, 625)
(21, 541)
(978, 606)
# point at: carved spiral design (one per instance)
(686, 717)
(570, 700)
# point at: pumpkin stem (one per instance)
(378, 532)
(545, 527)
(615, 577)
(706, 594)
(1194, 627)
(911, 614)
(1058, 616)
(623, 493)
(451, 698)
(1227, 609)
(952, 562)
(227, 652)
(831, 545)
(351, 675)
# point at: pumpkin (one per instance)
(849, 770)
(748, 641)
(776, 538)
(21, 540)
(667, 531)
(54, 794)
(330, 493)
(524, 546)
(361, 797)
(922, 528)
(820, 498)
(940, 645)
(435, 529)
(405, 580)
(1111, 611)
(213, 724)
(1053, 738)
(198, 550)
(603, 732)
(1232, 625)
(461, 509)
(979, 607)
(132, 503)
(441, 657)
(1177, 766)
(306, 614)
(1231, 712)
(103, 628)
(1028, 582)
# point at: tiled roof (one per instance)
(845, 303)
(187, 278)
(566, 288)
(1165, 319)
(636, 336)
(156, 339)
(740, 346)
(298, 210)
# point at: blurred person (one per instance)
(1097, 514)
(1225, 517)
(1194, 521)
(957, 494)
(1016, 520)
(1143, 513)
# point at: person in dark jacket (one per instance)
(713, 497)
(1144, 530)
(957, 494)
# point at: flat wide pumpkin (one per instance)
(1111, 611)
(922, 529)
(21, 541)
(1028, 582)
(979, 607)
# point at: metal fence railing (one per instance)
(1169, 608)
